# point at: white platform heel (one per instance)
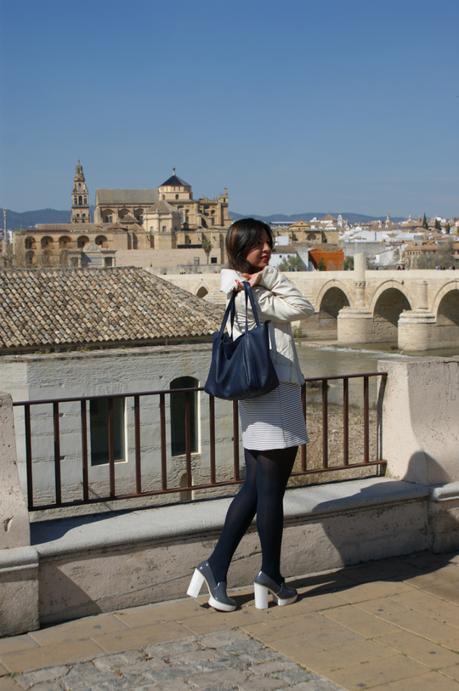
(196, 583)
(264, 586)
(218, 599)
(261, 596)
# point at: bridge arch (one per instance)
(447, 315)
(333, 283)
(442, 293)
(388, 304)
(387, 285)
(332, 297)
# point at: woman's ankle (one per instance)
(218, 572)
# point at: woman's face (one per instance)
(259, 256)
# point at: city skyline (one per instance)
(293, 108)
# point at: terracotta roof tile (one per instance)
(81, 307)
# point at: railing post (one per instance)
(111, 459)
(84, 450)
(212, 438)
(57, 453)
(236, 440)
(138, 460)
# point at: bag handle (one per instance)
(230, 311)
(249, 296)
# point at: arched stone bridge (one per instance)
(415, 309)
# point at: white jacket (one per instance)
(279, 302)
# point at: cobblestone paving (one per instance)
(220, 660)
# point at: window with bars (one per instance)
(98, 412)
(178, 415)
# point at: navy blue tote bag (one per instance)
(241, 368)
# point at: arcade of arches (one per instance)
(414, 312)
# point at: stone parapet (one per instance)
(420, 413)
(102, 563)
(19, 609)
(14, 517)
(444, 517)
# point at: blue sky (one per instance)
(338, 105)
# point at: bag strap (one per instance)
(249, 296)
(230, 311)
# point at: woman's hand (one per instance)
(253, 280)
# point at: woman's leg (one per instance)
(272, 473)
(239, 517)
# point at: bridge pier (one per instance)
(354, 325)
(416, 330)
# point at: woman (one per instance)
(272, 425)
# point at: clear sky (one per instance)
(294, 105)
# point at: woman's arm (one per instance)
(279, 299)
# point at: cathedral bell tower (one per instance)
(80, 206)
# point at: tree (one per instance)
(206, 246)
(321, 265)
(437, 224)
(349, 264)
(424, 222)
(443, 257)
(292, 263)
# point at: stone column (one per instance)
(421, 296)
(18, 561)
(355, 324)
(360, 266)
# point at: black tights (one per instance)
(267, 474)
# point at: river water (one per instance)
(326, 359)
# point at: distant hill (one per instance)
(28, 219)
(308, 215)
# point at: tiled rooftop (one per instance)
(65, 308)
(126, 196)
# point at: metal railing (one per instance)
(317, 386)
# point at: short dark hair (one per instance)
(242, 235)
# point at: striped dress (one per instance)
(275, 420)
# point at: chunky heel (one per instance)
(261, 596)
(195, 584)
(218, 599)
(282, 593)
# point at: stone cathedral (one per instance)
(162, 219)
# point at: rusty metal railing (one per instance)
(164, 487)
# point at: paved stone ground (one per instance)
(220, 660)
(392, 625)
